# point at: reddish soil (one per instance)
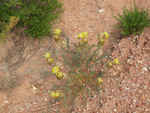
(28, 79)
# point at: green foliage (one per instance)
(133, 21)
(8, 8)
(7, 27)
(37, 16)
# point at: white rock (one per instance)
(146, 109)
(139, 61)
(134, 100)
(140, 91)
(144, 69)
(6, 102)
(34, 103)
(101, 10)
(115, 110)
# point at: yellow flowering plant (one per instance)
(57, 33)
(79, 78)
(102, 38)
(83, 42)
(60, 74)
(55, 94)
(116, 61)
(48, 58)
(55, 70)
(47, 55)
(112, 63)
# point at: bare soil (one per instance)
(25, 78)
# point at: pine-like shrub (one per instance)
(133, 21)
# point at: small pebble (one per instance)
(34, 102)
(115, 110)
(144, 69)
(139, 61)
(6, 102)
(134, 100)
(101, 10)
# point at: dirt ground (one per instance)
(26, 79)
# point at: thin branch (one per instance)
(44, 107)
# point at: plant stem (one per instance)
(46, 106)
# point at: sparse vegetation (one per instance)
(78, 75)
(133, 21)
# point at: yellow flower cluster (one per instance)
(103, 38)
(82, 35)
(47, 55)
(83, 40)
(57, 31)
(99, 80)
(56, 36)
(115, 61)
(48, 58)
(110, 64)
(106, 35)
(60, 74)
(56, 71)
(55, 94)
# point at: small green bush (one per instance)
(133, 21)
(37, 15)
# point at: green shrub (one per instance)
(133, 21)
(8, 8)
(37, 15)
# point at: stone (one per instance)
(144, 69)
(101, 10)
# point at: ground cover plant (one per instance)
(133, 21)
(76, 70)
(37, 16)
